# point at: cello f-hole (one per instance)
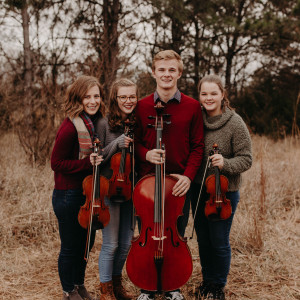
(146, 238)
(172, 240)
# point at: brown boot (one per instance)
(84, 294)
(74, 295)
(106, 290)
(65, 297)
(119, 290)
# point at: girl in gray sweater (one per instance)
(227, 129)
(117, 235)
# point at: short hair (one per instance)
(76, 92)
(115, 116)
(218, 81)
(166, 55)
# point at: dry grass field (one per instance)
(264, 238)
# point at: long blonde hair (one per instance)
(76, 92)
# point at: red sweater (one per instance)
(183, 138)
(69, 171)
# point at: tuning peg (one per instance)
(150, 125)
(167, 122)
(151, 117)
(166, 115)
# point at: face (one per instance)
(166, 74)
(211, 98)
(91, 100)
(127, 100)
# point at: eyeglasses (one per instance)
(124, 98)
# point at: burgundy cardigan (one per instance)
(183, 138)
(69, 171)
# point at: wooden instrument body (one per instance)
(177, 264)
(101, 216)
(120, 184)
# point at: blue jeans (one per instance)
(116, 238)
(213, 238)
(71, 262)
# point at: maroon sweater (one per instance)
(183, 138)
(69, 171)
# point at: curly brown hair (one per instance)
(115, 117)
(217, 80)
(76, 92)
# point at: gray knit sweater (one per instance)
(232, 136)
(111, 143)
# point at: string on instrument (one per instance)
(94, 214)
(152, 262)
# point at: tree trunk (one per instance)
(110, 47)
(27, 51)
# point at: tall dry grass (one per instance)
(264, 238)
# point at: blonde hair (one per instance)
(217, 80)
(166, 55)
(115, 116)
(76, 92)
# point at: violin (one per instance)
(94, 214)
(217, 207)
(120, 184)
(159, 258)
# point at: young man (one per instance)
(183, 138)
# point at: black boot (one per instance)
(216, 292)
(204, 288)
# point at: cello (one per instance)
(218, 207)
(159, 258)
(94, 214)
(120, 183)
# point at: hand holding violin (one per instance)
(127, 141)
(217, 160)
(96, 159)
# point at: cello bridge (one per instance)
(158, 238)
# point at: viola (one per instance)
(218, 207)
(159, 258)
(94, 214)
(120, 183)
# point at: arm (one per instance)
(105, 135)
(242, 153)
(196, 144)
(140, 149)
(62, 158)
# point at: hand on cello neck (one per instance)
(156, 156)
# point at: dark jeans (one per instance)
(182, 221)
(213, 238)
(71, 262)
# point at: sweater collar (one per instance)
(216, 122)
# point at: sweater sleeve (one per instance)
(242, 149)
(196, 144)
(140, 149)
(61, 158)
(109, 148)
